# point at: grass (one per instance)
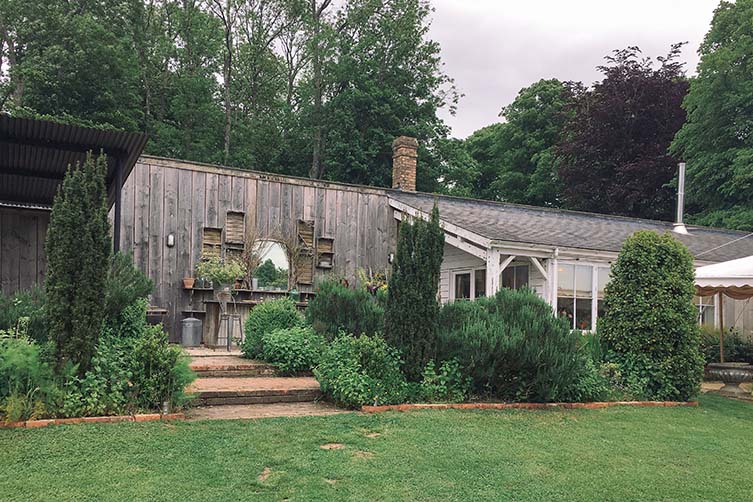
(615, 454)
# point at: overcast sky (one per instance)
(493, 48)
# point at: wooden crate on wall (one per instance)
(305, 266)
(211, 242)
(235, 225)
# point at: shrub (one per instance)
(410, 322)
(337, 308)
(125, 285)
(512, 347)
(293, 350)
(24, 314)
(448, 385)
(78, 252)
(736, 348)
(25, 380)
(650, 326)
(265, 318)
(160, 371)
(356, 371)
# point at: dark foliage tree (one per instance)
(614, 156)
(412, 309)
(650, 326)
(78, 252)
(717, 139)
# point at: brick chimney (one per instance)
(404, 155)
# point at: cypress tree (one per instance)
(78, 249)
(412, 305)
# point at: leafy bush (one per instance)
(25, 380)
(160, 371)
(650, 327)
(356, 371)
(265, 318)
(293, 350)
(448, 385)
(513, 347)
(736, 348)
(23, 313)
(125, 285)
(337, 308)
(219, 271)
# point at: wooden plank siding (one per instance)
(165, 196)
(22, 257)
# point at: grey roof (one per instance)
(34, 155)
(570, 229)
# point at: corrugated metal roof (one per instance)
(34, 155)
(570, 229)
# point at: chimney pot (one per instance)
(404, 158)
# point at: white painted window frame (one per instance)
(472, 271)
(595, 266)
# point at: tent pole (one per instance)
(721, 327)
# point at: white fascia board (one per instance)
(455, 241)
(467, 235)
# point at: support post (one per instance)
(117, 209)
(721, 328)
(493, 270)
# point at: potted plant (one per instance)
(189, 282)
(222, 274)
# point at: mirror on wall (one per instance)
(271, 273)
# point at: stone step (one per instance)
(216, 391)
(230, 367)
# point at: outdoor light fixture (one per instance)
(390, 257)
(170, 240)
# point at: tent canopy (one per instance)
(732, 278)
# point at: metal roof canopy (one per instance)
(35, 155)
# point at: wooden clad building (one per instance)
(175, 212)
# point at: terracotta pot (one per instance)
(188, 282)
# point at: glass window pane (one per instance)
(583, 281)
(508, 278)
(565, 279)
(480, 283)
(583, 313)
(521, 276)
(462, 286)
(565, 309)
(603, 279)
(706, 310)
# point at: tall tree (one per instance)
(78, 252)
(717, 139)
(615, 156)
(516, 159)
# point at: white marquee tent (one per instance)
(732, 278)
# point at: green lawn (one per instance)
(614, 454)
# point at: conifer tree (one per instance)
(78, 250)
(412, 306)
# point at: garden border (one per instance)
(522, 406)
(147, 417)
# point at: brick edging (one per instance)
(521, 406)
(147, 417)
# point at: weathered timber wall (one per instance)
(22, 259)
(163, 197)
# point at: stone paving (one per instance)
(233, 412)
